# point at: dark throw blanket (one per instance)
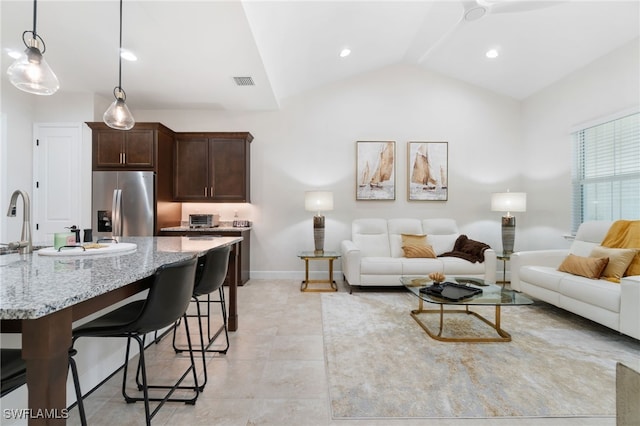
(467, 249)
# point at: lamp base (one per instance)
(318, 233)
(508, 233)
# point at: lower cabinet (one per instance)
(243, 250)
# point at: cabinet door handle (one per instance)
(124, 158)
(211, 190)
(205, 191)
(120, 159)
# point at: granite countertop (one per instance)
(32, 286)
(220, 229)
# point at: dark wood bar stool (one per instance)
(210, 276)
(167, 301)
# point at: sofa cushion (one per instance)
(542, 276)
(619, 261)
(421, 266)
(371, 236)
(442, 243)
(441, 234)
(418, 250)
(588, 267)
(381, 265)
(397, 228)
(601, 293)
(456, 266)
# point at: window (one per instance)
(606, 171)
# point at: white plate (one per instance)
(120, 248)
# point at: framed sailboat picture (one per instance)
(375, 170)
(427, 167)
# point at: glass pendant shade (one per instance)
(118, 116)
(31, 73)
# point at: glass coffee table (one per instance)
(492, 295)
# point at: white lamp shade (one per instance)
(317, 201)
(509, 201)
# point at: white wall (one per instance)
(21, 111)
(310, 143)
(606, 86)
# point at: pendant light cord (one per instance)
(35, 14)
(120, 53)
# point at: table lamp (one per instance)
(508, 202)
(318, 201)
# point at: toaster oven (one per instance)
(203, 220)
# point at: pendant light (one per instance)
(118, 115)
(30, 72)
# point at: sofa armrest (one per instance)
(490, 264)
(550, 258)
(351, 257)
(629, 306)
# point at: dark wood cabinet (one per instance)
(133, 149)
(146, 147)
(212, 167)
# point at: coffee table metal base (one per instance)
(504, 336)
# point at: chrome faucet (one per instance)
(25, 245)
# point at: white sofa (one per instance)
(374, 255)
(614, 305)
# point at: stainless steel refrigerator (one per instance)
(123, 204)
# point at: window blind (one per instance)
(606, 171)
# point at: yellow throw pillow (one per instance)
(414, 240)
(589, 267)
(619, 261)
(414, 250)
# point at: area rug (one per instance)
(381, 364)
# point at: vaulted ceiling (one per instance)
(190, 51)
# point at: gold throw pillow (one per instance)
(414, 250)
(589, 267)
(619, 261)
(414, 240)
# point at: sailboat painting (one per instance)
(428, 171)
(375, 170)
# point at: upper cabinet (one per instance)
(135, 149)
(212, 167)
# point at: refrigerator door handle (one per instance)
(117, 213)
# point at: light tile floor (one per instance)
(273, 374)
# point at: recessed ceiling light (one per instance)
(345, 52)
(128, 55)
(491, 53)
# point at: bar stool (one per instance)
(167, 301)
(14, 370)
(210, 276)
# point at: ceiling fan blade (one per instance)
(473, 10)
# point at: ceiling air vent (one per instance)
(244, 81)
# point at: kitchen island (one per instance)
(41, 296)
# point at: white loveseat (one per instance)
(614, 305)
(374, 255)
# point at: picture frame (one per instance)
(375, 170)
(428, 171)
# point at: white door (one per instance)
(56, 179)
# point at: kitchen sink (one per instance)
(7, 250)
